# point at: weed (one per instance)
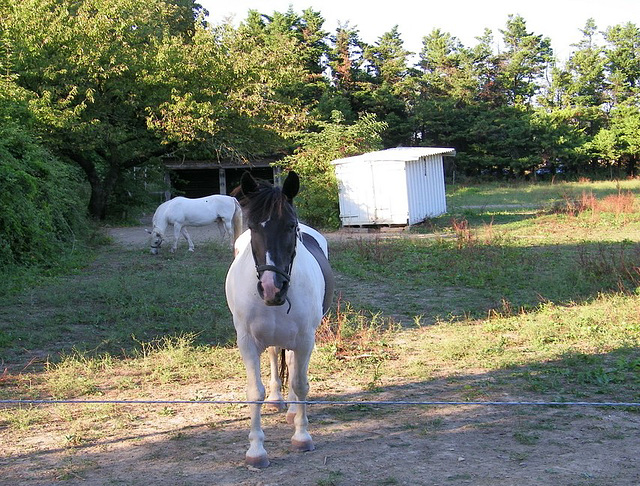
(74, 440)
(616, 265)
(464, 237)
(22, 418)
(621, 203)
(74, 376)
(526, 438)
(332, 479)
(373, 250)
(167, 412)
(356, 334)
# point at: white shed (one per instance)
(396, 186)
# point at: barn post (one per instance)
(222, 177)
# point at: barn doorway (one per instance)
(234, 175)
(194, 183)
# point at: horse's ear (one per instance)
(291, 185)
(248, 184)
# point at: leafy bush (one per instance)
(317, 203)
(40, 196)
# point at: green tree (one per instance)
(525, 59)
(230, 91)
(120, 83)
(311, 47)
(622, 53)
(446, 68)
(617, 136)
(349, 85)
(88, 64)
(391, 88)
(317, 203)
(625, 126)
(40, 196)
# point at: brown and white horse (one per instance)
(278, 288)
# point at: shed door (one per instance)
(355, 194)
(390, 193)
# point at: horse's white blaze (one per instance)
(268, 280)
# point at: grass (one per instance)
(533, 195)
(545, 305)
(118, 300)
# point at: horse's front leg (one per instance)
(187, 237)
(298, 362)
(256, 455)
(177, 228)
(275, 383)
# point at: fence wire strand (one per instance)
(371, 403)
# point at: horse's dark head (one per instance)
(273, 222)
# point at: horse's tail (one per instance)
(283, 369)
(237, 220)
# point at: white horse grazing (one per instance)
(281, 307)
(182, 212)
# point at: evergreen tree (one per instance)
(526, 58)
(623, 62)
(391, 87)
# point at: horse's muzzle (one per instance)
(271, 298)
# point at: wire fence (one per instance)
(371, 403)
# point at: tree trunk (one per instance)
(631, 165)
(101, 188)
(98, 202)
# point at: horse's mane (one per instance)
(267, 200)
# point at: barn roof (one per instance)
(399, 154)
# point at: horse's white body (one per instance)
(291, 326)
(182, 212)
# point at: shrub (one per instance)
(40, 196)
(317, 203)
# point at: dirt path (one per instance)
(364, 445)
(419, 445)
(137, 236)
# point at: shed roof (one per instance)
(399, 154)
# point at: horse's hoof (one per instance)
(259, 462)
(279, 405)
(191, 250)
(302, 445)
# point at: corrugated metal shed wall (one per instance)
(425, 188)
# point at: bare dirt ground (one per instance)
(137, 237)
(366, 445)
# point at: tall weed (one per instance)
(355, 333)
(624, 202)
(618, 265)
